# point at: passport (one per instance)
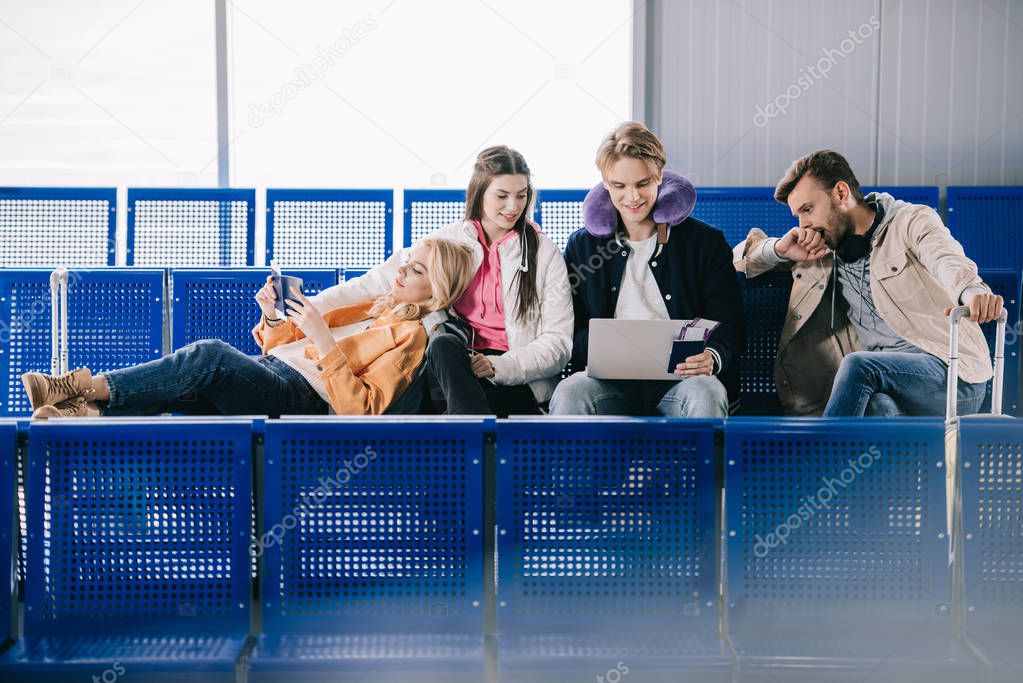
(691, 340)
(285, 288)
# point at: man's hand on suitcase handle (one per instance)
(983, 307)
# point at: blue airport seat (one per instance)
(8, 526)
(766, 300)
(219, 303)
(735, 210)
(352, 273)
(191, 228)
(914, 194)
(139, 537)
(426, 210)
(329, 228)
(372, 549)
(606, 544)
(1006, 283)
(836, 548)
(991, 452)
(988, 222)
(20, 512)
(115, 319)
(560, 213)
(50, 227)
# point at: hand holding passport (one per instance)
(691, 340)
(285, 288)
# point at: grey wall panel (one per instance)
(950, 92)
(924, 91)
(737, 93)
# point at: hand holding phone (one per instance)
(266, 298)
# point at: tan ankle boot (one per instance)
(44, 390)
(78, 406)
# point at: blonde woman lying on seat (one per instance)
(355, 359)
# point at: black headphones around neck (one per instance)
(855, 247)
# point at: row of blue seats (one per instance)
(193, 227)
(123, 316)
(467, 549)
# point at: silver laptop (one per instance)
(631, 349)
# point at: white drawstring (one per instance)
(524, 267)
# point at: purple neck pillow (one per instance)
(676, 198)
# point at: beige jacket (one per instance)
(916, 270)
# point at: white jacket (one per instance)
(537, 350)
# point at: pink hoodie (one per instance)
(482, 305)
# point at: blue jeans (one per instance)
(890, 384)
(211, 377)
(579, 394)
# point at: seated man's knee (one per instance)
(855, 362)
(882, 405)
(574, 395)
(700, 396)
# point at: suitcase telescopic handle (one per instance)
(63, 320)
(958, 313)
(55, 322)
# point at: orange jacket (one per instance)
(365, 372)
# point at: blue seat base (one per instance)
(850, 649)
(383, 658)
(1001, 648)
(648, 657)
(811, 673)
(155, 659)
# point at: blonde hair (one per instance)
(634, 141)
(449, 270)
